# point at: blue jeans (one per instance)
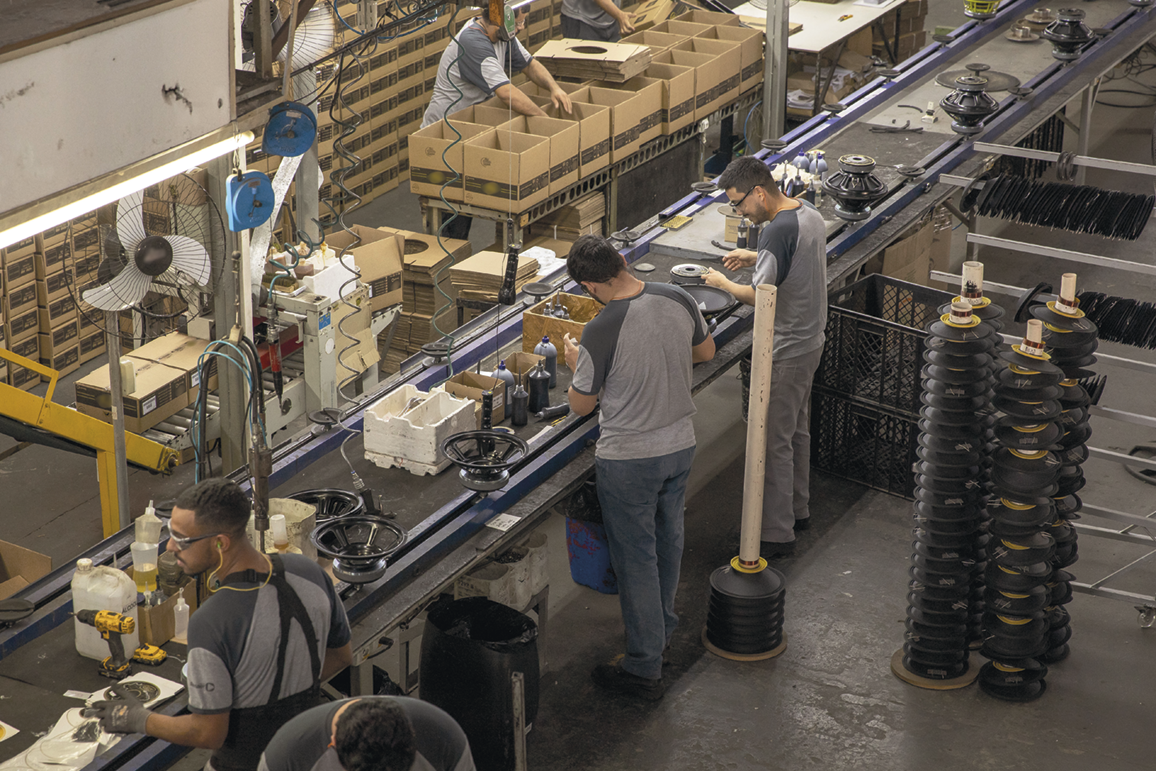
(642, 507)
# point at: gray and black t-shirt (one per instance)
(481, 69)
(637, 353)
(793, 256)
(302, 744)
(234, 637)
(589, 12)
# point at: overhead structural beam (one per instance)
(1061, 254)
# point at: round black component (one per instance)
(854, 187)
(359, 546)
(710, 187)
(996, 81)
(327, 417)
(711, 300)
(626, 236)
(438, 349)
(142, 691)
(485, 457)
(1068, 34)
(331, 503)
(736, 628)
(969, 104)
(153, 255)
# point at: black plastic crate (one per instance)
(867, 444)
(875, 338)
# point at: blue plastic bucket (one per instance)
(590, 556)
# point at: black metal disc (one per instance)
(996, 81)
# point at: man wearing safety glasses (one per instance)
(791, 254)
(260, 646)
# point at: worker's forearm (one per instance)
(539, 75)
(744, 293)
(186, 730)
(336, 659)
(519, 101)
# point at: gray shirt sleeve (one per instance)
(478, 62)
(778, 242)
(596, 351)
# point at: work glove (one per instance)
(128, 716)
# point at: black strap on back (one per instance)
(291, 607)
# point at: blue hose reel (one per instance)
(290, 131)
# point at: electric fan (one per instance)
(312, 40)
(169, 242)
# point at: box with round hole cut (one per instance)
(425, 270)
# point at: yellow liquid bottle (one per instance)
(145, 577)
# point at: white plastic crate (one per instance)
(398, 433)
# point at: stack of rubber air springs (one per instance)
(949, 494)
(1024, 479)
(971, 292)
(1072, 340)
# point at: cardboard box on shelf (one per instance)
(507, 172)
(379, 258)
(471, 385)
(20, 567)
(53, 259)
(17, 301)
(681, 27)
(907, 45)
(677, 95)
(65, 361)
(180, 351)
(92, 344)
(564, 140)
(625, 109)
(18, 250)
(55, 313)
(54, 286)
(750, 44)
(647, 14)
(648, 107)
(19, 270)
(717, 83)
(536, 324)
(22, 326)
(160, 393)
(156, 219)
(58, 338)
(58, 234)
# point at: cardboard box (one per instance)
(520, 363)
(507, 172)
(22, 326)
(20, 567)
(17, 301)
(378, 256)
(564, 140)
(156, 219)
(54, 235)
(18, 250)
(750, 44)
(471, 385)
(681, 28)
(19, 270)
(712, 18)
(54, 286)
(677, 95)
(656, 41)
(717, 81)
(648, 107)
(626, 110)
(180, 351)
(647, 14)
(160, 393)
(908, 259)
(156, 624)
(593, 129)
(489, 115)
(64, 336)
(536, 324)
(56, 313)
(65, 361)
(92, 344)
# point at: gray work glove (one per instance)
(120, 717)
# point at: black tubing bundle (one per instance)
(1076, 208)
(1024, 480)
(947, 538)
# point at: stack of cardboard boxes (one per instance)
(851, 72)
(905, 31)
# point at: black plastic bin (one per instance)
(875, 339)
(469, 650)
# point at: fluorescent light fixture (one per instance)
(519, 4)
(76, 209)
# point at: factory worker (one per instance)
(259, 646)
(792, 255)
(595, 20)
(373, 733)
(478, 64)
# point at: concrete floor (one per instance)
(830, 700)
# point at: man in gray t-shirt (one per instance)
(595, 20)
(792, 255)
(372, 733)
(635, 361)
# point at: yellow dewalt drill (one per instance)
(111, 626)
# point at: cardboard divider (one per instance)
(656, 41)
(507, 172)
(564, 140)
(593, 130)
(698, 16)
(648, 108)
(682, 28)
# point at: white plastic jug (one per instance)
(102, 588)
